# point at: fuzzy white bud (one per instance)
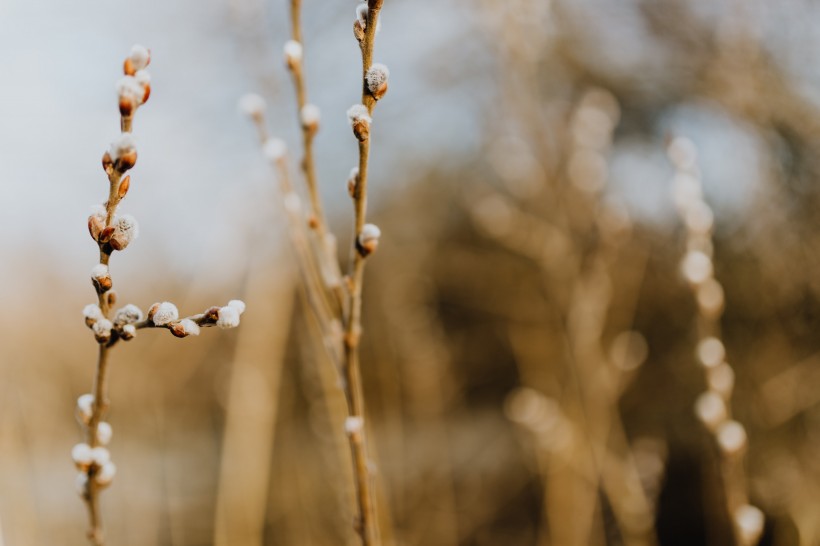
(99, 271)
(749, 521)
(376, 77)
(252, 105)
(275, 149)
(696, 267)
(293, 52)
(165, 313)
(238, 304)
(129, 87)
(721, 379)
(128, 314)
(731, 438)
(100, 456)
(126, 230)
(140, 56)
(310, 115)
(106, 474)
(129, 331)
(370, 232)
(353, 425)
(711, 410)
(361, 14)
(711, 352)
(358, 112)
(123, 145)
(85, 405)
(102, 330)
(82, 455)
(92, 312)
(104, 432)
(143, 77)
(228, 317)
(189, 327)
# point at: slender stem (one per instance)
(358, 446)
(308, 164)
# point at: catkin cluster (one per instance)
(713, 407)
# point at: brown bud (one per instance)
(313, 222)
(212, 314)
(126, 334)
(177, 329)
(102, 284)
(112, 298)
(107, 163)
(126, 106)
(361, 128)
(105, 234)
(128, 67)
(124, 185)
(151, 311)
(380, 91)
(358, 31)
(126, 161)
(90, 321)
(368, 247)
(95, 226)
(147, 89)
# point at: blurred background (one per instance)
(529, 348)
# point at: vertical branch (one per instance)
(308, 129)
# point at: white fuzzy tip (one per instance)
(353, 425)
(190, 327)
(102, 329)
(165, 313)
(140, 56)
(376, 75)
(275, 149)
(252, 105)
(228, 317)
(104, 433)
(85, 404)
(143, 77)
(697, 267)
(361, 14)
(127, 230)
(239, 305)
(293, 52)
(749, 521)
(731, 437)
(92, 312)
(123, 145)
(99, 271)
(106, 474)
(711, 410)
(127, 315)
(310, 115)
(82, 455)
(357, 113)
(370, 232)
(100, 456)
(132, 88)
(129, 331)
(711, 352)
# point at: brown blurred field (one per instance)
(510, 399)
